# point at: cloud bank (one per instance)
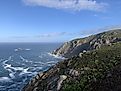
(73, 5)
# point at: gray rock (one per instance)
(76, 46)
(62, 78)
(73, 72)
(35, 89)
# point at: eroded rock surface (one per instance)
(76, 46)
(96, 66)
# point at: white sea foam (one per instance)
(5, 79)
(15, 50)
(2, 86)
(40, 56)
(9, 67)
(25, 71)
(51, 62)
(9, 59)
(27, 49)
(17, 68)
(21, 49)
(56, 56)
(12, 75)
(42, 63)
(23, 59)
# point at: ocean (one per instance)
(19, 62)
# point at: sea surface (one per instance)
(19, 62)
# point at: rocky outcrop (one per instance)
(88, 69)
(97, 70)
(76, 46)
(60, 81)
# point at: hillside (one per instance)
(76, 46)
(90, 70)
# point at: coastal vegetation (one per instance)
(97, 67)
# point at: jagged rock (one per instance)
(62, 78)
(84, 51)
(37, 77)
(80, 55)
(74, 47)
(91, 70)
(73, 72)
(33, 80)
(35, 89)
(40, 74)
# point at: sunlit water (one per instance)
(20, 61)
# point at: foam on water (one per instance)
(23, 64)
(23, 59)
(21, 49)
(50, 62)
(25, 71)
(2, 86)
(27, 49)
(5, 79)
(56, 56)
(12, 70)
(12, 76)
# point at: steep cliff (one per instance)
(90, 70)
(97, 70)
(76, 46)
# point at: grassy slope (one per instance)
(98, 70)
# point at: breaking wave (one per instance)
(56, 56)
(22, 64)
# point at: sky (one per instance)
(56, 20)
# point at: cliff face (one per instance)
(97, 70)
(94, 70)
(76, 46)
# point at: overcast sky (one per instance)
(55, 20)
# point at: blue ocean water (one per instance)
(19, 62)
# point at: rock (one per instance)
(80, 55)
(78, 69)
(73, 72)
(84, 51)
(40, 74)
(35, 89)
(62, 78)
(76, 46)
(33, 80)
(37, 77)
(82, 72)
(107, 41)
(86, 68)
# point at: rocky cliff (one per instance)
(76, 46)
(94, 70)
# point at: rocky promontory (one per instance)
(95, 66)
(76, 46)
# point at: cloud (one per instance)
(55, 34)
(73, 5)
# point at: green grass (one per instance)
(93, 67)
